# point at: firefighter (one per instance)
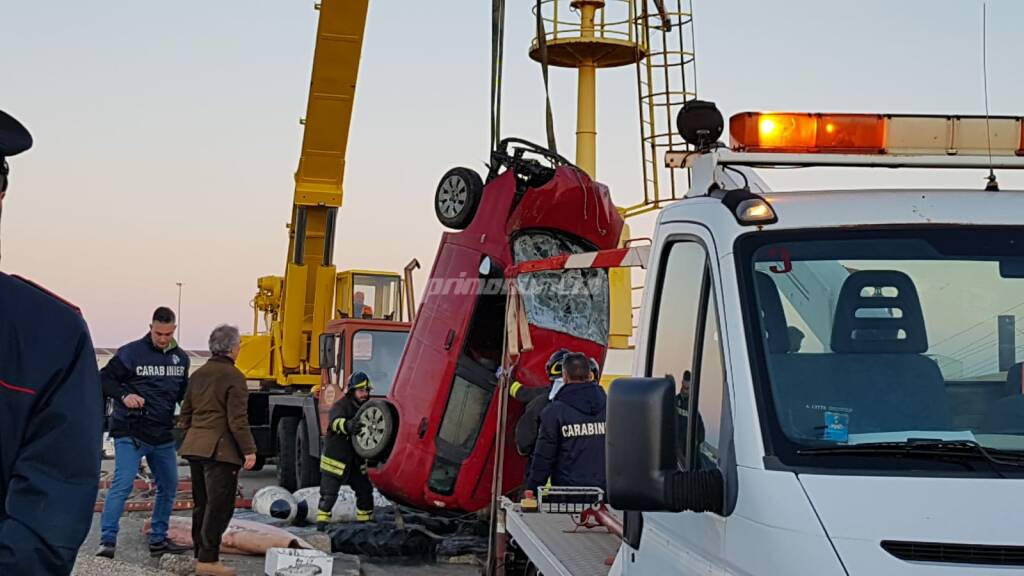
(340, 464)
(535, 399)
(51, 416)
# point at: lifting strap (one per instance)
(542, 45)
(497, 61)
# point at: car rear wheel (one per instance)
(458, 197)
(380, 426)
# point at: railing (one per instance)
(612, 22)
(666, 79)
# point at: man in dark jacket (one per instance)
(570, 445)
(51, 416)
(145, 379)
(340, 464)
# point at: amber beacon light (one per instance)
(803, 132)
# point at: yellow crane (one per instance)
(296, 307)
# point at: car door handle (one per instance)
(448, 341)
(422, 430)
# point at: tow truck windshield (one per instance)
(888, 338)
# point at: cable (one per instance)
(746, 183)
(969, 328)
(993, 185)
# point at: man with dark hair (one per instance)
(51, 416)
(570, 444)
(145, 380)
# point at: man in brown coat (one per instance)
(217, 442)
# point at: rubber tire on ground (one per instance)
(307, 468)
(383, 539)
(380, 426)
(287, 427)
(458, 197)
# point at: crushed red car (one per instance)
(432, 438)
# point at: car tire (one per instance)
(287, 428)
(380, 426)
(458, 197)
(380, 540)
(307, 468)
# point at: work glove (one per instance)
(353, 426)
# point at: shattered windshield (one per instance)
(893, 336)
(574, 302)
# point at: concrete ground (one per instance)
(132, 558)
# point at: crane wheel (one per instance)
(307, 468)
(287, 429)
(458, 197)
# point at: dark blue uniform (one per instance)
(570, 444)
(51, 426)
(159, 376)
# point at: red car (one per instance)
(433, 437)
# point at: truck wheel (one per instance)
(286, 432)
(307, 468)
(457, 197)
(380, 424)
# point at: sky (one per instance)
(167, 134)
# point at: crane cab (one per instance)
(368, 295)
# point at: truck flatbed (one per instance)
(555, 544)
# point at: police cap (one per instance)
(14, 138)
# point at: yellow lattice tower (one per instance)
(587, 35)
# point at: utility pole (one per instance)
(180, 284)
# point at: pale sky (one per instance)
(167, 133)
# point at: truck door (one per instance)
(684, 341)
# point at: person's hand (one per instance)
(134, 401)
(250, 461)
(353, 426)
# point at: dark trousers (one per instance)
(360, 483)
(213, 489)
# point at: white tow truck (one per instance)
(825, 381)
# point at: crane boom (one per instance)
(298, 306)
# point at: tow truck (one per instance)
(826, 381)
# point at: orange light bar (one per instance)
(800, 132)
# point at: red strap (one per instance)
(17, 388)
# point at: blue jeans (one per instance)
(163, 461)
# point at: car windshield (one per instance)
(890, 336)
(573, 302)
(377, 353)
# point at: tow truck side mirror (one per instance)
(327, 351)
(639, 453)
(642, 469)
